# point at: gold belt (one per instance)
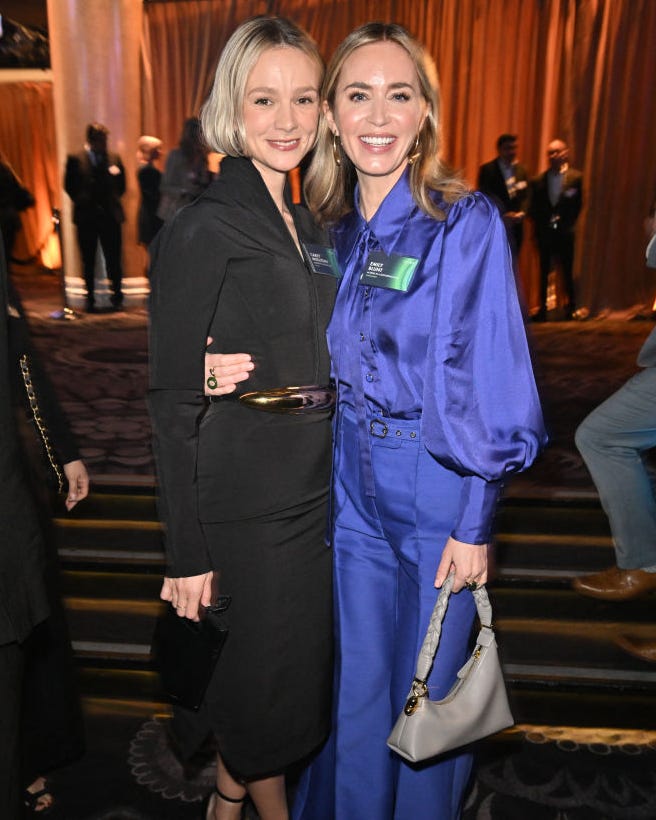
(304, 399)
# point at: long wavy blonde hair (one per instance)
(329, 187)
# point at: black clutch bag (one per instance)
(185, 652)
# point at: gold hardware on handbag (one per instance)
(38, 420)
(476, 705)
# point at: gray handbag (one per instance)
(476, 705)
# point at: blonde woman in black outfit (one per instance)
(243, 491)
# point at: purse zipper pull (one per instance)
(419, 690)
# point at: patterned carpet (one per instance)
(547, 773)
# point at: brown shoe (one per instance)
(616, 584)
(643, 648)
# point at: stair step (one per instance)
(138, 586)
(547, 599)
(128, 677)
(138, 536)
(88, 557)
(560, 658)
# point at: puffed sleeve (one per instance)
(186, 276)
(482, 415)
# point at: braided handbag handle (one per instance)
(432, 639)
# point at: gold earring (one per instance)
(336, 152)
(415, 153)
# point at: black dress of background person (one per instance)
(95, 181)
(149, 178)
(52, 732)
(244, 492)
(23, 598)
(14, 198)
(510, 198)
(148, 223)
(555, 225)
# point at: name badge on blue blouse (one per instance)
(393, 272)
(322, 259)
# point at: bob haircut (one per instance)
(222, 114)
(329, 186)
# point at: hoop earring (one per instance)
(336, 152)
(415, 153)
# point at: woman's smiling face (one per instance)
(281, 109)
(378, 109)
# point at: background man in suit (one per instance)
(612, 440)
(22, 592)
(555, 201)
(95, 181)
(505, 180)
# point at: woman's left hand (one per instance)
(225, 371)
(469, 562)
(78, 482)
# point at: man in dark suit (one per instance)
(95, 181)
(506, 182)
(23, 602)
(555, 201)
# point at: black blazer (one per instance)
(491, 182)
(567, 208)
(23, 602)
(226, 266)
(96, 190)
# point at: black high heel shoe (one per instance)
(207, 802)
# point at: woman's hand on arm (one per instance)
(78, 482)
(227, 370)
(468, 560)
(187, 595)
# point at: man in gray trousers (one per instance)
(612, 440)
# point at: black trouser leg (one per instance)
(566, 254)
(11, 782)
(110, 241)
(545, 269)
(87, 237)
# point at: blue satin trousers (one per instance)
(387, 549)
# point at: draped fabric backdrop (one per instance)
(27, 130)
(582, 70)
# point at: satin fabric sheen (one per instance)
(451, 351)
(436, 407)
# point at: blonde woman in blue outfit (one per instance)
(437, 405)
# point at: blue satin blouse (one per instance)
(451, 351)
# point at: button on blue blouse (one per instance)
(451, 351)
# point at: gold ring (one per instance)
(471, 585)
(211, 382)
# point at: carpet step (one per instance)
(560, 516)
(125, 675)
(558, 648)
(105, 534)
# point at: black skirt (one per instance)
(268, 703)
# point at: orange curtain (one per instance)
(582, 70)
(27, 130)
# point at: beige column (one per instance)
(94, 49)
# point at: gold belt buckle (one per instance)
(294, 400)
